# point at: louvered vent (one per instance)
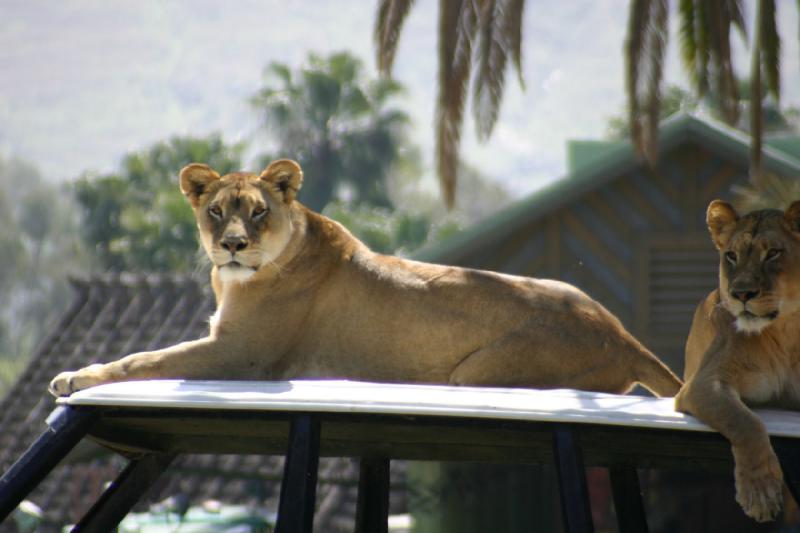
(681, 275)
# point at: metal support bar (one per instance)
(372, 510)
(627, 492)
(789, 457)
(568, 457)
(67, 426)
(299, 486)
(123, 493)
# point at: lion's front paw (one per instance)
(66, 383)
(61, 384)
(759, 485)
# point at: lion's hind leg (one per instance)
(518, 360)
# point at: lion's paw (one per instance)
(759, 486)
(66, 383)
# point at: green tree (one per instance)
(137, 219)
(476, 41)
(394, 231)
(337, 124)
(38, 224)
(418, 219)
(383, 230)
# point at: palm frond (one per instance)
(770, 48)
(489, 80)
(514, 12)
(499, 35)
(391, 16)
(281, 71)
(688, 40)
(657, 47)
(637, 22)
(457, 27)
(382, 89)
(701, 27)
(695, 45)
(737, 17)
(724, 79)
(756, 116)
(645, 47)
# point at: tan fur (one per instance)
(742, 353)
(325, 306)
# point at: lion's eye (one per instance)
(730, 257)
(259, 212)
(215, 211)
(772, 254)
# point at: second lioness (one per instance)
(744, 345)
(298, 296)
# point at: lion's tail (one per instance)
(653, 374)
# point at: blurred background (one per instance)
(418, 125)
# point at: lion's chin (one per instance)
(235, 272)
(747, 322)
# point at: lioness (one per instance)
(744, 344)
(298, 296)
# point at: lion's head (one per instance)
(759, 275)
(244, 219)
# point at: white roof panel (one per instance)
(557, 405)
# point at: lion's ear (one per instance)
(285, 177)
(195, 179)
(792, 216)
(720, 217)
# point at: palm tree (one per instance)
(473, 34)
(705, 29)
(337, 124)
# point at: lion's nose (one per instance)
(744, 295)
(234, 243)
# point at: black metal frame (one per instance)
(299, 485)
(68, 425)
(372, 509)
(627, 495)
(577, 514)
(123, 493)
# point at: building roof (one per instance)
(115, 315)
(605, 166)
